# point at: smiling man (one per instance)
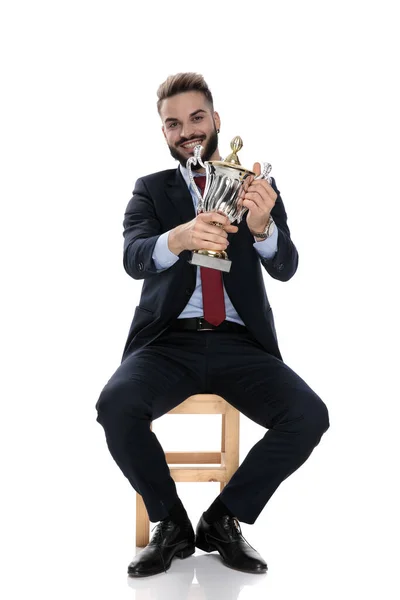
(196, 331)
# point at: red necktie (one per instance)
(211, 283)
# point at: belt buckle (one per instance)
(200, 326)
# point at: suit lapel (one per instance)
(180, 197)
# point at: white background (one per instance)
(312, 88)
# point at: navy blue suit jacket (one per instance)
(162, 201)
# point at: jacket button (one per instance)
(188, 292)
(280, 267)
(140, 266)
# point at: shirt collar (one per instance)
(185, 174)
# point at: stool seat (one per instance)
(226, 460)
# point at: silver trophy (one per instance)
(226, 183)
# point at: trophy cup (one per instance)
(226, 183)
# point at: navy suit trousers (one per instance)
(153, 380)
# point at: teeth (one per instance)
(191, 145)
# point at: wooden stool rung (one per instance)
(188, 458)
(192, 474)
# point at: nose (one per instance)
(187, 130)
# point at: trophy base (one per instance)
(211, 262)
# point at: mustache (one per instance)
(186, 140)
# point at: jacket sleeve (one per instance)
(283, 265)
(141, 232)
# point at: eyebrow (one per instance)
(191, 115)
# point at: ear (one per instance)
(163, 130)
(217, 120)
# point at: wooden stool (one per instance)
(227, 460)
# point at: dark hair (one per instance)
(183, 82)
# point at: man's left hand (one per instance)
(260, 199)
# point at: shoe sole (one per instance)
(210, 548)
(185, 553)
(244, 570)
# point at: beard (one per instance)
(208, 150)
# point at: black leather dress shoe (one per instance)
(169, 540)
(225, 536)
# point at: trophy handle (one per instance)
(196, 158)
(265, 170)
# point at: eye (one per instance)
(171, 125)
(198, 117)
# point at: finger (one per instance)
(257, 168)
(208, 217)
(225, 220)
(263, 183)
(261, 195)
(204, 227)
(214, 231)
(229, 227)
(211, 242)
(252, 206)
(257, 199)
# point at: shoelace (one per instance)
(235, 525)
(238, 529)
(160, 529)
(235, 528)
(157, 538)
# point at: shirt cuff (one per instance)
(268, 247)
(162, 255)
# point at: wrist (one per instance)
(259, 227)
(174, 243)
(262, 233)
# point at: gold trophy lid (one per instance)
(232, 160)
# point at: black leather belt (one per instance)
(200, 324)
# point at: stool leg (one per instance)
(223, 425)
(231, 442)
(142, 523)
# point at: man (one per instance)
(197, 330)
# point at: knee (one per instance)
(317, 418)
(107, 403)
(117, 401)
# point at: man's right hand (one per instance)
(200, 233)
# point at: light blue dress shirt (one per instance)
(164, 258)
